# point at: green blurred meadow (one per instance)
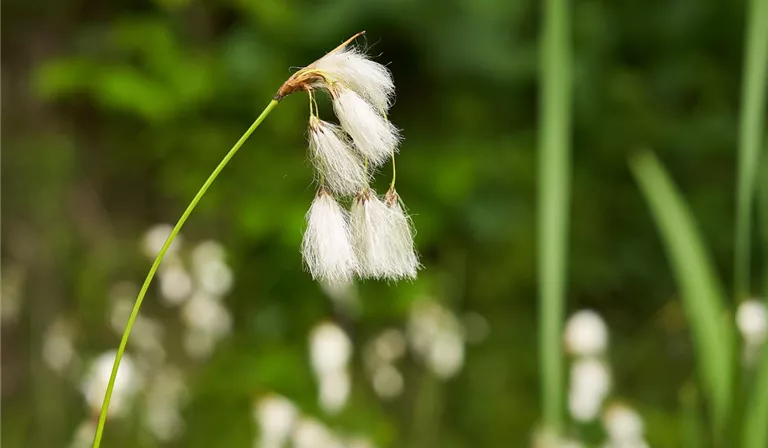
(114, 113)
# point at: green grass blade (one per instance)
(554, 180)
(701, 292)
(750, 133)
(756, 415)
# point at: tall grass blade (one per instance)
(751, 132)
(701, 291)
(554, 179)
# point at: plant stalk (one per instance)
(156, 265)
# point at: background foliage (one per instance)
(115, 112)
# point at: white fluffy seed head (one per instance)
(586, 334)
(352, 68)
(327, 248)
(752, 321)
(332, 155)
(383, 238)
(401, 239)
(374, 136)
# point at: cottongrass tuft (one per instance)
(369, 79)
(383, 238)
(374, 136)
(331, 152)
(327, 248)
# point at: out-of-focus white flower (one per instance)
(334, 391)
(175, 284)
(83, 437)
(752, 321)
(339, 168)
(586, 334)
(446, 356)
(327, 247)
(199, 344)
(550, 439)
(329, 348)
(436, 335)
(216, 278)
(129, 380)
(147, 338)
(165, 396)
(387, 381)
(309, 433)
(390, 345)
(352, 68)
(205, 314)
(590, 384)
(58, 346)
(359, 442)
(13, 278)
(624, 427)
(206, 252)
(155, 238)
(275, 416)
(374, 136)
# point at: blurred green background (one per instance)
(114, 113)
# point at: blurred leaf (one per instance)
(702, 295)
(756, 415)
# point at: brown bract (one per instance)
(309, 76)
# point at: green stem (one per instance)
(750, 134)
(554, 180)
(159, 259)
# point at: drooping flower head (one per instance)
(378, 240)
(327, 248)
(330, 150)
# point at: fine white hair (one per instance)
(383, 239)
(327, 248)
(374, 136)
(351, 68)
(331, 153)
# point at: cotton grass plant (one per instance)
(376, 240)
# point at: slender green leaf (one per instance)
(756, 415)
(751, 132)
(554, 178)
(700, 288)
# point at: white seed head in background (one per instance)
(339, 168)
(58, 346)
(752, 320)
(374, 136)
(624, 427)
(275, 415)
(329, 349)
(590, 383)
(334, 391)
(352, 68)
(327, 247)
(437, 337)
(175, 283)
(128, 382)
(586, 334)
(155, 237)
(387, 381)
(310, 433)
(83, 436)
(204, 313)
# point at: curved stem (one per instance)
(394, 172)
(156, 264)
